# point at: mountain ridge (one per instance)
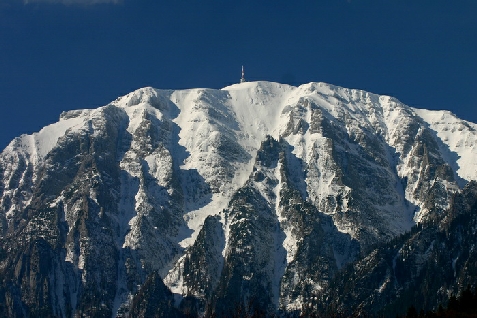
(154, 173)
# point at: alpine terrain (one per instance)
(257, 199)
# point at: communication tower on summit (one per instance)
(243, 76)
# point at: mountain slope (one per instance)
(421, 268)
(256, 189)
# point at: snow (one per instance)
(39, 144)
(253, 110)
(386, 281)
(454, 261)
(195, 218)
(174, 279)
(460, 138)
(244, 114)
(258, 106)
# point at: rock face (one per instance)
(258, 198)
(421, 268)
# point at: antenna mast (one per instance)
(242, 80)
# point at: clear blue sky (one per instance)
(58, 55)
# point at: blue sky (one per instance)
(69, 54)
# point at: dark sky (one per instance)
(58, 55)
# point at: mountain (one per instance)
(254, 198)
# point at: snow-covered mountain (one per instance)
(253, 196)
